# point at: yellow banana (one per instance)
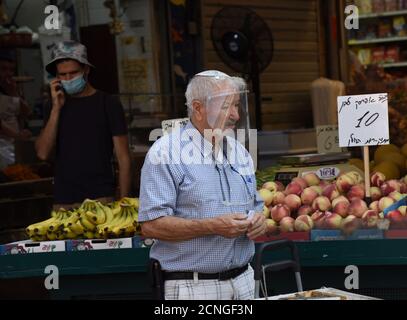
(89, 235)
(109, 217)
(40, 227)
(119, 229)
(72, 219)
(51, 235)
(89, 226)
(76, 228)
(60, 235)
(118, 218)
(100, 214)
(56, 224)
(69, 234)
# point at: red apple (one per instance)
(278, 198)
(357, 208)
(279, 212)
(332, 221)
(370, 218)
(317, 189)
(355, 176)
(318, 218)
(293, 202)
(396, 219)
(271, 226)
(356, 192)
(390, 186)
(344, 183)
(270, 185)
(303, 223)
(321, 204)
(375, 193)
(377, 179)
(342, 208)
(330, 191)
(287, 224)
(308, 196)
(305, 210)
(301, 182)
(280, 186)
(311, 178)
(375, 206)
(339, 199)
(267, 196)
(293, 188)
(266, 212)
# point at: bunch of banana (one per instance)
(50, 228)
(91, 220)
(123, 221)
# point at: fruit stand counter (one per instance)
(121, 273)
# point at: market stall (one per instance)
(122, 273)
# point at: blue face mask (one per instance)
(75, 85)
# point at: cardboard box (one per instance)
(28, 246)
(362, 234)
(99, 244)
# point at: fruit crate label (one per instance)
(328, 173)
(99, 244)
(363, 120)
(33, 247)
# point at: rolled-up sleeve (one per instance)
(158, 192)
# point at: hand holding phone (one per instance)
(57, 94)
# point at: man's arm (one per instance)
(47, 139)
(48, 136)
(171, 228)
(121, 147)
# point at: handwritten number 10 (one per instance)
(369, 121)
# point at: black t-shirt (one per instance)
(84, 147)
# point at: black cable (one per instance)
(13, 19)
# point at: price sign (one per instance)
(363, 120)
(328, 139)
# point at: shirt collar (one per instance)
(204, 146)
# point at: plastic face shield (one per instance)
(226, 110)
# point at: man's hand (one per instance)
(57, 94)
(258, 226)
(231, 225)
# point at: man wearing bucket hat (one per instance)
(198, 199)
(84, 127)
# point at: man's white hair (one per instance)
(204, 84)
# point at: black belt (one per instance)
(225, 275)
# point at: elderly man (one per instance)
(198, 197)
(84, 127)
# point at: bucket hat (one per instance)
(67, 50)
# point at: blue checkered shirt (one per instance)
(203, 188)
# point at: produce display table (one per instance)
(122, 273)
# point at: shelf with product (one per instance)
(382, 35)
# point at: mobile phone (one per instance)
(250, 214)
